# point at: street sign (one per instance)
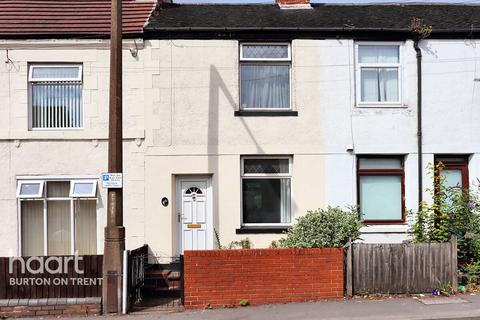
(112, 180)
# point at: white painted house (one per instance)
(242, 117)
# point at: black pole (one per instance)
(419, 122)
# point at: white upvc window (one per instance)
(83, 188)
(55, 96)
(378, 73)
(265, 76)
(30, 189)
(266, 191)
(60, 220)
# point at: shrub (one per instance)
(453, 211)
(323, 228)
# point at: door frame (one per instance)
(178, 205)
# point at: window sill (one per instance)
(385, 228)
(381, 106)
(243, 113)
(384, 222)
(267, 230)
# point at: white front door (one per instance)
(194, 214)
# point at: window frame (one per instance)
(31, 82)
(358, 77)
(266, 176)
(93, 194)
(39, 195)
(265, 61)
(32, 66)
(44, 199)
(455, 165)
(382, 172)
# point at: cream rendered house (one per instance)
(239, 119)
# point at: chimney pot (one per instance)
(294, 4)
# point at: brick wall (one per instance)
(20, 308)
(224, 277)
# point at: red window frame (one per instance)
(454, 165)
(383, 172)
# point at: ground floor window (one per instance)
(266, 191)
(381, 189)
(56, 220)
(454, 171)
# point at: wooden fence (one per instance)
(33, 279)
(400, 268)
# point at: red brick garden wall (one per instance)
(219, 278)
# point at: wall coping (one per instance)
(262, 252)
(48, 302)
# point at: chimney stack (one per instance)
(294, 4)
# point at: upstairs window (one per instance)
(378, 74)
(55, 96)
(265, 76)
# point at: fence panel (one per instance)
(401, 268)
(51, 277)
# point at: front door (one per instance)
(194, 214)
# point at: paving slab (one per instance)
(442, 300)
(406, 308)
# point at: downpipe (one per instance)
(419, 122)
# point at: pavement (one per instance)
(465, 308)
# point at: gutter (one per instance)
(419, 122)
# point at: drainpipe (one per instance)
(419, 121)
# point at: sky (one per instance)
(331, 1)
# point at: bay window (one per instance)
(378, 73)
(381, 189)
(265, 76)
(55, 221)
(266, 191)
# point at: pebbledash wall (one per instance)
(179, 99)
(219, 278)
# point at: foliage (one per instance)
(241, 244)
(446, 289)
(274, 244)
(453, 211)
(472, 271)
(323, 228)
(244, 303)
(421, 30)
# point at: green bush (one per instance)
(323, 228)
(453, 212)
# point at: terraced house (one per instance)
(237, 120)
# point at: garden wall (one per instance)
(219, 278)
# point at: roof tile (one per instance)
(69, 17)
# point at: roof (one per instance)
(69, 18)
(444, 18)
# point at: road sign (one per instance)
(112, 180)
